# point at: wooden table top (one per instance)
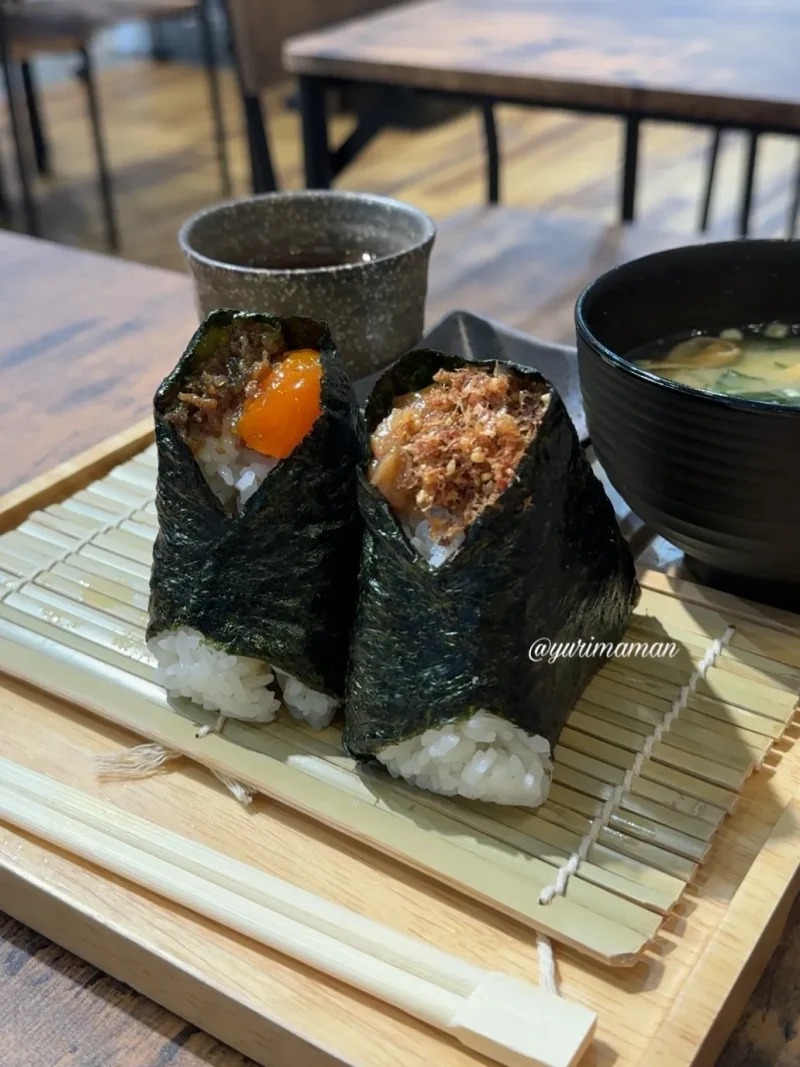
(710, 60)
(86, 340)
(527, 268)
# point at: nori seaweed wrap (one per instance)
(441, 687)
(255, 562)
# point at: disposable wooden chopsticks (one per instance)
(499, 1016)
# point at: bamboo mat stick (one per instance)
(262, 888)
(496, 1015)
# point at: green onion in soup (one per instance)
(754, 362)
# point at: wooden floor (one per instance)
(159, 137)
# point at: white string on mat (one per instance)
(138, 762)
(243, 793)
(142, 761)
(558, 887)
(547, 964)
(207, 729)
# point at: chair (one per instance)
(153, 12)
(30, 27)
(258, 30)
(747, 186)
(746, 202)
(48, 26)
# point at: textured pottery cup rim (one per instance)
(624, 365)
(185, 234)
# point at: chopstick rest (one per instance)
(501, 1017)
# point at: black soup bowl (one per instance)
(717, 476)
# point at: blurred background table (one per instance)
(711, 63)
(87, 369)
(161, 143)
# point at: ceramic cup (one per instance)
(357, 261)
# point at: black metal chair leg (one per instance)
(14, 97)
(263, 176)
(261, 170)
(41, 149)
(209, 59)
(749, 183)
(492, 155)
(86, 75)
(629, 167)
(159, 52)
(315, 132)
(713, 158)
(5, 207)
(794, 211)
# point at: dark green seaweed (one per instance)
(278, 582)
(433, 645)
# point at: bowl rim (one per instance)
(191, 253)
(720, 399)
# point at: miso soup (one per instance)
(754, 362)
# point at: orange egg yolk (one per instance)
(277, 417)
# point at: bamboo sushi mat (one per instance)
(73, 611)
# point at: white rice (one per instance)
(237, 686)
(431, 550)
(189, 666)
(482, 758)
(233, 471)
(316, 709)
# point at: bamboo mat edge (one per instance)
(73, 474)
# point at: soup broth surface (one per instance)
(754, 362)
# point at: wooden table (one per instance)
(707, 63)
(85, 341)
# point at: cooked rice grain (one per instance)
(481, 758)
(237, 686)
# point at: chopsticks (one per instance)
(502, 1017)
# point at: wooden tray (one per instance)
(688, 988)
(74, 614)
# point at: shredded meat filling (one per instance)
(449, 451)
(219, 388)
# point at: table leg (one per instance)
(492, 155)
(713, 159)
(749, 182)
(630, 161)
(40, 146)
(4, 204)
(13, 99)
(212, 77)
(795, 208)
(86, 75)
(263, 175)
(315, 132)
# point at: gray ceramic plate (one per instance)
(462, 334)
